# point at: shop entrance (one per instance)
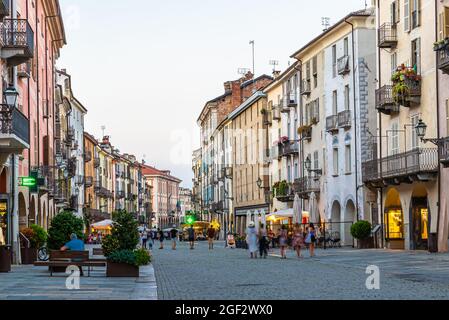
(394, 221)
(420, 226)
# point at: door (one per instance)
(420, 231)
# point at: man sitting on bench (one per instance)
(74, 244)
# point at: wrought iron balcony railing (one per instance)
(443, 59)
(291, 100)
(343, 65)
(4, 8)
(415, 165)
(88, 156)
(120, 194)
(289, 148)
(331, 124)
(305, 186)
(14, 123)
(306, 87)
(276, 113)
(444, 152)
(88, 181)
(344, 119)
(17, 38)
(96, 162)
(388, 37)
(385, 101)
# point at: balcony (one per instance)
(88, 182)
(24, 70)
(444, 152)
(217, 207)
(267, 118)
(95, 215)
(289, 148)
(96, 162)
(416, 165)
(291, 100)
(305, 186)
(385, 102)
(79, 180)
(344, 119)
(17, 41)
(306, 87)
(14, 130)
(74, 203)
(276, 152)
(343, 65)
(443, 58)
(388, 37)
(88, 156)
(332, 124)
(283, 192)
(120, 194)
(71, 167)
(228, 172)
(305, 132)
(411, 95)
(4, 8)
(276, 112)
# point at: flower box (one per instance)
(121, 270)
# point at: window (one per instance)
(394, 139)
(347, 97)
(394, 10)
(443, 24)
(289, 172)
(447, 118)
(407, 15)
(335, 159)
(317, 110)
(416, 54)
(335, 102)
(308, 73)
(346, 46)
(416, 13)
(315, 160)
(394, 62)
(415, 139)
(315, 71)
(296, 173)
(334, 61)
(348, 159)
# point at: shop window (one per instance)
(395, 224)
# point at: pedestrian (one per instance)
(298, 239)
(174, 237)
(144, 239)
(153, 236)
(263, 242)
(211, 237)
(251, 239)
(283, 242)
(271, 237)
(161, 238)
(311, 239)
(231, 240)
(191, 233)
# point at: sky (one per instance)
(145, 68)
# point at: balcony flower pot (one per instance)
(5, 259)
(121, 270)
(29, 255)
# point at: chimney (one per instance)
(276, 74)
(249, 76)
(106, 140)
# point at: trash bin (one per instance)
(5, 259)
(433, 242)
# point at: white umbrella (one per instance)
(312, 208)
(264, 217)
(104, 223)
(297, 210)
(248, 218)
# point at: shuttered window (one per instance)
(443, 24)
(416, 54)
(406, 15)
(416, 13)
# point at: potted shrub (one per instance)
(361, 231)
(37, 237)
(119, 248)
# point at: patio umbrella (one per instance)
(312, 208)
(248, 218)
(297, 210)
(264, 217)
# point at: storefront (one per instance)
(394, 222)
(243, 215)
(3, 221)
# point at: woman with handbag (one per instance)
(311, 239)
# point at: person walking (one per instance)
(191, 234)
(311, 239)
(283, 242)
(211, 237)
(251, 239)
(271, 237)
(144, 239)
(298, 240)
(161, 238)
(174, 237)
(263, 242)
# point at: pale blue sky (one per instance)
(145, 68)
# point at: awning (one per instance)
(103, 225)
(280, 215)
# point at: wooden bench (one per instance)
(97, 252)
(60, 260)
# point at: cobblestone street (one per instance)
(335, 274)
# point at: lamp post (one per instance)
(10, 96)
(421, 131)
(308, 165)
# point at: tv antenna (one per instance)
(243, 71)
(325, 22)
(102, 129)
(274, 63)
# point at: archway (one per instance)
(44, 216)
(32, 213)
(23, 216)
(420, 219)
(394, 220)
(336, 218)
(349, 219)
(4, 181)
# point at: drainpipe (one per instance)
(355, 123)
(438, 123)
(301, 143)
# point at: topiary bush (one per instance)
(361, 230)
(62, 226)
(124, 234)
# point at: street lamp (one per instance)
(308, 165)
(260, 183)
(421, 130)
(10, 96)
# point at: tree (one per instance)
(63, 225)
(124, 234)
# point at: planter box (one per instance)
(5, 259)
(366, 243)
(121, 270)
(29, 255)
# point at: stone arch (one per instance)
(23, 212)
(335, 216)
(44, 216)
(420, 218)
(394, 219)
(32, 211)
(349, 219)
(4, 181)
